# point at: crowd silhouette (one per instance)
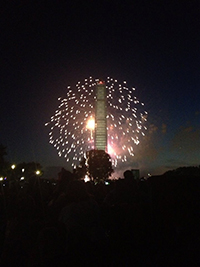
(128, 222)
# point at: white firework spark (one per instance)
(72, 125)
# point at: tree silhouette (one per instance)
(81, 170)
(99, 165)
(189, 170)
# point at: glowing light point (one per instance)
(90, 124)
(13, 166)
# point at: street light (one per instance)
(13, 166)
(37, 172)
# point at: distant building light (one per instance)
(1, 178)
(13, 166)
(37, 172)
(23, 170)
(22, 178)
(86, 179)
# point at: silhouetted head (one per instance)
(65, 175)
(77, 191)
(128, 175)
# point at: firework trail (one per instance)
(72, 125)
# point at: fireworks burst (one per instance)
(72, 125)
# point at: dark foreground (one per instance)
(155, 222)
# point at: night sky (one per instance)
(153, 45)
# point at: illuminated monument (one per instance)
(100, 118)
